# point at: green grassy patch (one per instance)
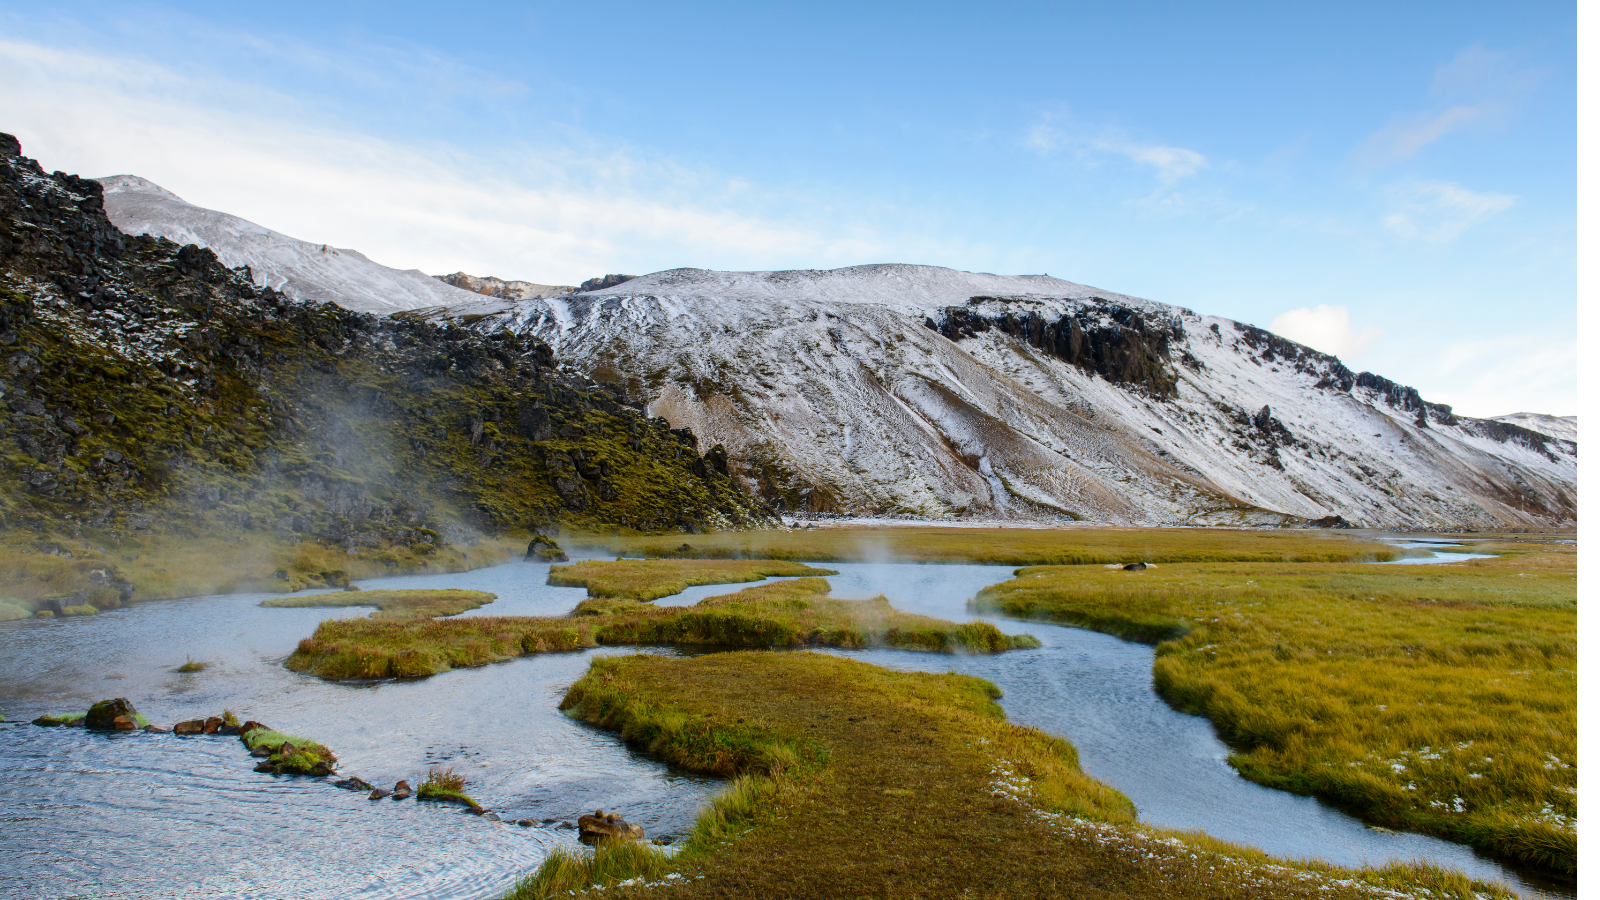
(445, 786)
(290, 754)
(190, 666)
(799, 614)
(1437, 698)
(853, 780)
(399, 604)
(783, 614)
(1003, 546)
(651, 579)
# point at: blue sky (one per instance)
(1392, 182)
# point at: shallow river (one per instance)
(85, 815)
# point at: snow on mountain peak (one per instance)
(303, 270)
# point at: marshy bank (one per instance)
(499, 723)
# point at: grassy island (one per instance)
(783, 614)
(404, 604)
(652, 579)
(850, 779)
(1438, 698)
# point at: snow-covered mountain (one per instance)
(927, 392)
(1563, 427)
(305, 271)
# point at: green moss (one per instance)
(83, 610)
(10, 612)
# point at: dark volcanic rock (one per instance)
(103, 716)
(543, 549)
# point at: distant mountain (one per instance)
(315, 273)
(1561, 427)
(922, 392)
(147, 388)
(491, 286)
(926, 392)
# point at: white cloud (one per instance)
(1440, 211)
(1170, 163)
(1495, 376)
(1478, 90)
(566, 216)
(1326, 328)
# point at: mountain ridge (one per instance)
(923, 392)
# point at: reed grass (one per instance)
(397, 604)
(651, 579)
(1438, 698)
(853, 780)
(571, 871)
(1000, 546)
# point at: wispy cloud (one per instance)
(1326, 328)
(1171, 164)
(553, 214)
(1439, 211)
(1479, 89)
(1500, 375)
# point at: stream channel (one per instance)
(157, 816)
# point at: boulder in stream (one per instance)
(377, 794)
(353, 784)
(192, 726)
(402, 790)
(103, 716)
(606, 825)
(542, 549)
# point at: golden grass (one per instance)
(400, 604)
(853, 780)
(783, 614)
(1001, 546)
(1439, 698)
(652, 579)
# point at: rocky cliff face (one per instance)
(923, 392)
(146, 387)
(491, 286)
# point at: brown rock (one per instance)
(213, 725)
(402, 790)
(377, 794)
(124, 723)
(193, 726)
(248, 727)
(607, 825)
(268, 768)
(526, 823)
(156, 729)
(103, 716)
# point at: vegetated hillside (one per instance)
(148, 389)
(302, 270)
(926, 392)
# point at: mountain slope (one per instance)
(914, 390)
(1560, 427)
(314, 273)
(148, 389)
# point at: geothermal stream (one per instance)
(140, 815)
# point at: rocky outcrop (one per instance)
(606, 826)
(543, 549)
(604, 281)
(490, 286)
(1119, 343)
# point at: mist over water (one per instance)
(85, 815)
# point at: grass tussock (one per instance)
(190, 666)
(1439, 698)
(402, 604)
(1002, 546)
(570, 870)
(652, 579)
(847, 774)
(445, 786)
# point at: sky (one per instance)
(1394, 183)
